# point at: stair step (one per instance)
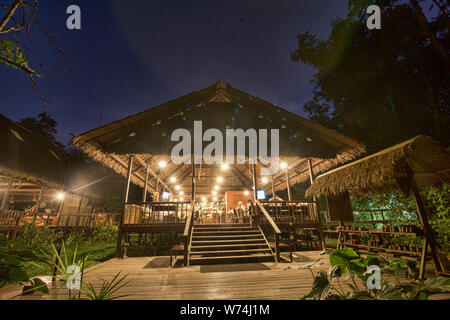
(226, 246)
(231, 259)
(229, 236)
(236, 241)
(222, 225)
(230, 252)
(224, 228)
(219, 233)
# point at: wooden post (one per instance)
(193, 180)
(5, 200)
(255, 184)
(144, 192)
(316, 206)
(423, 258)
(273, 188)
(288, 185)
(125, 200)
(277, 247)
(38, 203)
(422, 213)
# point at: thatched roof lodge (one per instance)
(28, 162)
(424, 158)
(146, 136)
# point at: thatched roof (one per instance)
(28, 157)
(147, 136)
(423, 157)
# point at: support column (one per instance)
(144, 192)
(255, 183)
(316, 206)
(38, 203)
(193, 180)
(423, 217)
(273, 188)
(125, 200)
(5, 200)
(288, 185)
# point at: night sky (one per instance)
(132, 55)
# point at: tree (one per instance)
(379, 86)
(15, 31)
(44, 126)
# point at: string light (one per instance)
(162, 164)
(219, 179)
(173, 179)
(178, 187)
(216, 187)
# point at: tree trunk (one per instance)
(426, 29)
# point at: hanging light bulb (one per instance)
(162, 164)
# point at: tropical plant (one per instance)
(13, 267)
(332, 285)
(107, 290)
(105, 233)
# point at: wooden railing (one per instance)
(156, 213)
(260, 216)
(16, 219)
(188, 233)
(292, 211)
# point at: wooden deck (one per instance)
(153, 280)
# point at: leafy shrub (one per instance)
(105, 233)
(349, 265)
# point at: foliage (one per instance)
(12, 54)
(113, 203)
(12, 267)
(106, 233)
(389, 83)
(438, 201)
(107, 290)
(331, 284)
(402, 211)
(42, 125)
(42, 237)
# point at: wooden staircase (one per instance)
(228, 243)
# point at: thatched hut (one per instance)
(28, 163)
(423, 157)
(146, 136)
(408, 166)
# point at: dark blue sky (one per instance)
(135, 54)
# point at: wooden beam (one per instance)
(125, 200)
(5, 200)
(144, 191)
(255, 184)
(123, 164)
(145, 165)
(423, 217)
(288, 185)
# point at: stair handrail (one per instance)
(274, 226)
(188, 233)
